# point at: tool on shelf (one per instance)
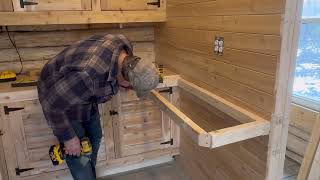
(7, 76)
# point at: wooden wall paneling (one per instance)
(55, 5)
(255, 97)
(61, 37)
(226, 7)
(303, 118)
(38, 47)
(285, 74)
(6, 6)
(252, 32)
(259, 43)
(262, 24)
(309, 169)
(302, 121)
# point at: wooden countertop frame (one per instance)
(252, 125)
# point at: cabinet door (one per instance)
(51, 5)
(28, 138)
(130, 4)
(139, 126)
(6, 6)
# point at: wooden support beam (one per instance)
(310, 165)
(195, 132)
(283, 89)
(239, 133)
(238, 113)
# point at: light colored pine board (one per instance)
(260, 24)
(260, 43)
(54, 5)
(253, 61)
(96, 5)
(227, 7)
(80, 17)
(237, 112)
(284, 81)
(183, 63)
(310, 165)
(196, 133)
(302, 118)
(107, 5)
(247, 77)
(249, 100)
(145, 50)
(6, 6)
(68, 37)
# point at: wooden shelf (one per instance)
(80, 17)
(251, 125)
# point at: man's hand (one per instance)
(72, 147)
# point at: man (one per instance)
(80, 77)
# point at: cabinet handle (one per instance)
(1, 133)
(28, 3)
(155, 3)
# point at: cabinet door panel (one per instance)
(53, 5)
(32, 138)
(6, 6)
(127, 5)
(140, 126)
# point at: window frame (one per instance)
(304, 101)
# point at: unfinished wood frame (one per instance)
(283, 89)
(310, 166)
(253, 125)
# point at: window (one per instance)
(306, 89)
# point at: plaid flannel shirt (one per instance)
(77, 79)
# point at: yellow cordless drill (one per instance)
(57, 154)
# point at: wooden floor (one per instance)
(171, 171)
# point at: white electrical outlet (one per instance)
(219, 45)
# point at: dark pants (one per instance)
(83, 167)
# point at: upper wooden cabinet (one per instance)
(5, 6)
(131, 4)
(51, 5)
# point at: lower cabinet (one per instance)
(138, 125)
(27, 139)
(131, 127)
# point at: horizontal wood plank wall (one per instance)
(244, 74)
(38, 44)
(302, 121)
